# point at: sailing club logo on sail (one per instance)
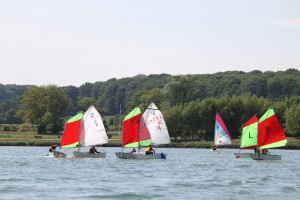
(152, 112)
(92, 116)
(156, 119)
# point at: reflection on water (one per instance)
(26, 172)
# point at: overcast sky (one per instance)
(71, 42)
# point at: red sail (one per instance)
(71, 133)
(270, 130)
(131, 127)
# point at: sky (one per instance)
(71, 42)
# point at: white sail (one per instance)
(93, 131)
(222, 136)
(156, 125)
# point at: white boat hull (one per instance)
(56, 154)
(244, 155)
(124, 155)
(79, 154)
(265, 157)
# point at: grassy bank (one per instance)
(33, 139)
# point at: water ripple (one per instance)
(185, 174)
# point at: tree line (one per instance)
(188, 102)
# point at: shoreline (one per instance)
(191, 144)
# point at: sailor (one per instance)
(265, 152)
(214, 148)
(149, 150)
(133, 150)
(93, 150)
(52, 148)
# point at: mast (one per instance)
(120, 123)
(215, 135)
(139, 145)
(241, 138)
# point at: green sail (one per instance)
(136, 111)
(269, 113)
(136, 144)
(78, 116)
(281, 143)
(249, 135)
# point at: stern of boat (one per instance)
(265, 157)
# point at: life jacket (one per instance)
(148, 150)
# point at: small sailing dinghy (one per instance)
(270, 135)
(248, 138)
(84, 130)
(144, 130)
(221, 136)
(92, 133)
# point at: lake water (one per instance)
(26, 173)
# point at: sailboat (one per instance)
(92, 133)
(222, 136)
(144, 130)
(270, 135)
(84, 130)
(248, 138)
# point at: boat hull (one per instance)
(56, 154)
(244, 155)
(265, 157)
(79, 154)
(124, 155)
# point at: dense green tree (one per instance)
(85, 90)
(181, 90)
(11, 118)
(236, 95)
(174, 121)
(144, 98)
(292, 116)
(192, 119)
(274, 88)
(45, 106)
(73, 93)
(86, 102)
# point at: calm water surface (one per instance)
(26, 173)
